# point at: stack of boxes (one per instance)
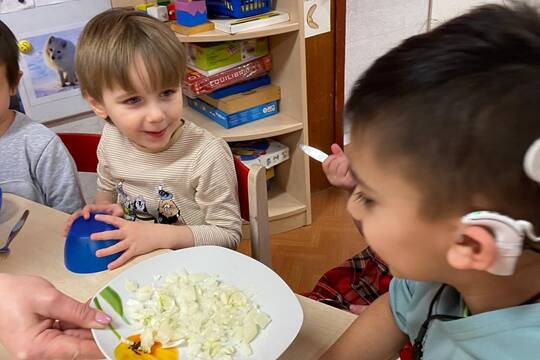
(229, 82)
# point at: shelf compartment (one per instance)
(216, 35)
(282, 204)
(275, 125)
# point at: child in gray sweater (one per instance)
(33, 161)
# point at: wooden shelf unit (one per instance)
(272, 126)
(217, 35)
(289, 198)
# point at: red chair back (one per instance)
(242, 172)
(83, 149)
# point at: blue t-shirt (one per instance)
(510, 333)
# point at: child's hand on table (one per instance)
(138, 237)
(113, 209)
(337, 170)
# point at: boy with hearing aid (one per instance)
(446, 158)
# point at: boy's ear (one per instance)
(97, 107)
(476, 249)
(13, 91)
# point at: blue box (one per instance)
(237, 8)
(231, 120)
(241, 87)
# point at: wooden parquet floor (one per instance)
(301, 256)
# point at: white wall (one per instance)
(443, 10)
(86, 123)
(374, 27)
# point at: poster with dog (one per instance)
(49, 68)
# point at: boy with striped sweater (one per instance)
(153, 165)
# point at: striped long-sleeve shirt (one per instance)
(193, 182)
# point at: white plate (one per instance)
(269, 291)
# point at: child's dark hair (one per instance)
(457, 109)
(9, 55)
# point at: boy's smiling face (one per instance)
(145, 116)
(388, 207)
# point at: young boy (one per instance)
(446, 124)
(153, 165)
(34, 163)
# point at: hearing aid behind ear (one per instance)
(509, 235)
(531, 162)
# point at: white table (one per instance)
(38, 249)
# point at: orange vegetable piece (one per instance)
(129, 352)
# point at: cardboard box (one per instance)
(191, 30)
(264, 152)
(241, 87)
(214, 55)
(246, 100)
(231, 120)
(233, 26)
(195, 83)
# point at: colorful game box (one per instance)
(241, 87)
(191, 12)
(264, 152)
(195, 83)
(246, 100)
(215, 55)
(231, 120)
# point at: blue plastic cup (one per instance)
(80, 251)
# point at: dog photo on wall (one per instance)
(49, 68)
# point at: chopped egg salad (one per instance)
(208, 318)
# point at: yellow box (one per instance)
(190, 30)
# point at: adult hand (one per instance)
(40, 322)
(337, 169)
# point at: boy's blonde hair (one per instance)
(117, 39)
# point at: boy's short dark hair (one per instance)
(9, 55)
(457, 109)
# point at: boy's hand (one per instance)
(137, 238)
(113, 209)
(337, 169)
(357, 309)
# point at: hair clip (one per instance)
(531, 162)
